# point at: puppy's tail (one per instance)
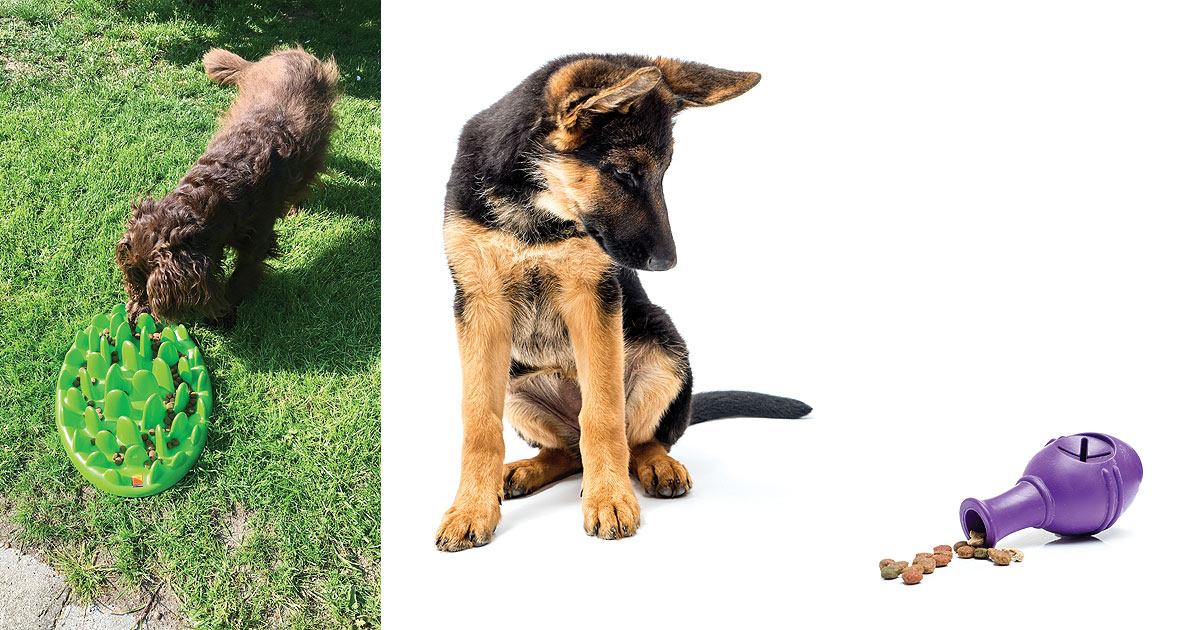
(733, 404)
(223, 66)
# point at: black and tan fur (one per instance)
(554, 200)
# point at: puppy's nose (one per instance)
(660, 264)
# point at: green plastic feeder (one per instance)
(122, 395)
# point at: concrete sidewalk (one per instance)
(34, 597)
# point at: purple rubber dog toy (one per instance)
(1076, 485)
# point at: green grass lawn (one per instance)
(278, 525)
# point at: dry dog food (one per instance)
(1017, 554)
(912, 575)
(975, 539)
(1000, 557)
(925, 562)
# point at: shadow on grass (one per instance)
(352, 199)
(350, 31)
(324, 314)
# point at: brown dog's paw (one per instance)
(224, 322)
(664, 476)
(611, 514)
(464, 527)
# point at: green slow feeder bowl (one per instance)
(125, 393)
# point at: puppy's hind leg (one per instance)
(661, 475)
(659, 389)
(527, 476)
(542, 409)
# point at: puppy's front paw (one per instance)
(466, 526)
(664, 477)
(611, 513)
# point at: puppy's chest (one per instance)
(536, 281)
(540, 336)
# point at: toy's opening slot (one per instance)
(975, 522)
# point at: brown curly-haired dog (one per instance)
(270, 148)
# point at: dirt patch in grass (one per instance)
(15, 68)
(234, 526)
(162, 603)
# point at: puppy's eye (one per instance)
(625, 176)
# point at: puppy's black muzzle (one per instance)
(642, 252)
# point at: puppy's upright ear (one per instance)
(584, 88)
(699, 85)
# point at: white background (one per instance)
(956, 230)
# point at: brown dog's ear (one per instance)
(699, 85)
(142, 206)
(592, 86)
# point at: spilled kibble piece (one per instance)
(172, 443)
(966, 551)
(941, 559)
(891, 571)
(1000, 557)
(151, 454)
(927, 565)
(942, 549)
(902, 564)
(961, 543)
(885, 562)
(118, 459)
(912, 575)
(975, 539)
(923, 555)
(1017, 554)
(981, 553)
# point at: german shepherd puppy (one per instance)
(554, 200)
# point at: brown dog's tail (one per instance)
(223, 66)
